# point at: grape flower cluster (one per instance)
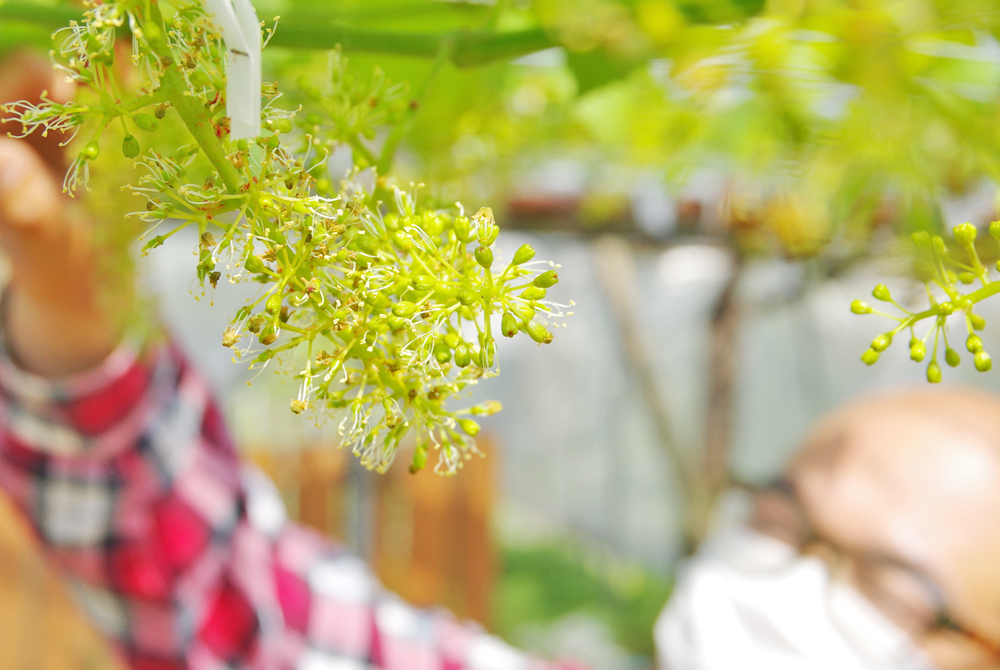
(384, 309)
(943, 271)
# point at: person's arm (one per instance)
(56, 321)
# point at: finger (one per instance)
(26, 75)
(29, 195)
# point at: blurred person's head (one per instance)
(878, 548)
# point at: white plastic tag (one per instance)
(241, 33)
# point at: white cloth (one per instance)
(748, 601)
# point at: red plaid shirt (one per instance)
(180, 554)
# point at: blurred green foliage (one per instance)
(540, 584)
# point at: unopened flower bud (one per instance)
(273, 304)
(508, 325)
(882, 342)
(524, 254)
(442, 354)
(90, 151)
(468, 297)
(869, 357)
(488, 408)
(424, 283)
(463, 228)
(404, 309)
(861, 307)
(463, 356)
(921, 239)
(254, 265)
(918, 351)
(881, 292)
(147, 122)
(419, 461)
(452, 340)
(983, 361)
(974, 344)
(395, 323)
(484, 256)
(965, 233)
(130, 147)
(546, 279)
(951, 357)
(537, 332)
(934, 372)
(469, 427)
(946, 308)
(533, 293)
(978, 322)
(966, 277)
(995, 229)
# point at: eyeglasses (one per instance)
(900, 591)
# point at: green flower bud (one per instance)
(869, 357)
(484, 256)
(468, 297)
(965, 233)
(524, 254)
(433, 224)
(130, 147)
(974, 344)
(273, 304)
(273, 142)
(983, 361)
(424, 283)
(404, 309)
(256, 323)
(938, 245)
(978, 322)
(379, 300)
(924, 271)
(463, 228)
(269, 334)
(546, 279)
(966, 277)
(463, 356)
(402, 239)
(917, 351)
(452, 340)
(533, 293)
(442, 354)
(934, 373)
(90, 151)
(921, 239)
(396, 322)
(952, 277)
(946, 308)
(487, 408)
(882, 342)
(199, 79)
(419, 461)
(279, 125)
(995, 229)
(508, 325)
(951, 357)
(145, 121)
(538, 332)
(254, 264)
(861, 307)
(881, 292)
(469, 427)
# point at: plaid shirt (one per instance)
(183, 556)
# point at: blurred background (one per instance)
(718, 180)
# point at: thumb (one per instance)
(30, 199)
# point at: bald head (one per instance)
(914, 475)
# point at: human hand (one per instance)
(55, 320)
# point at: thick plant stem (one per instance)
(200, 126)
